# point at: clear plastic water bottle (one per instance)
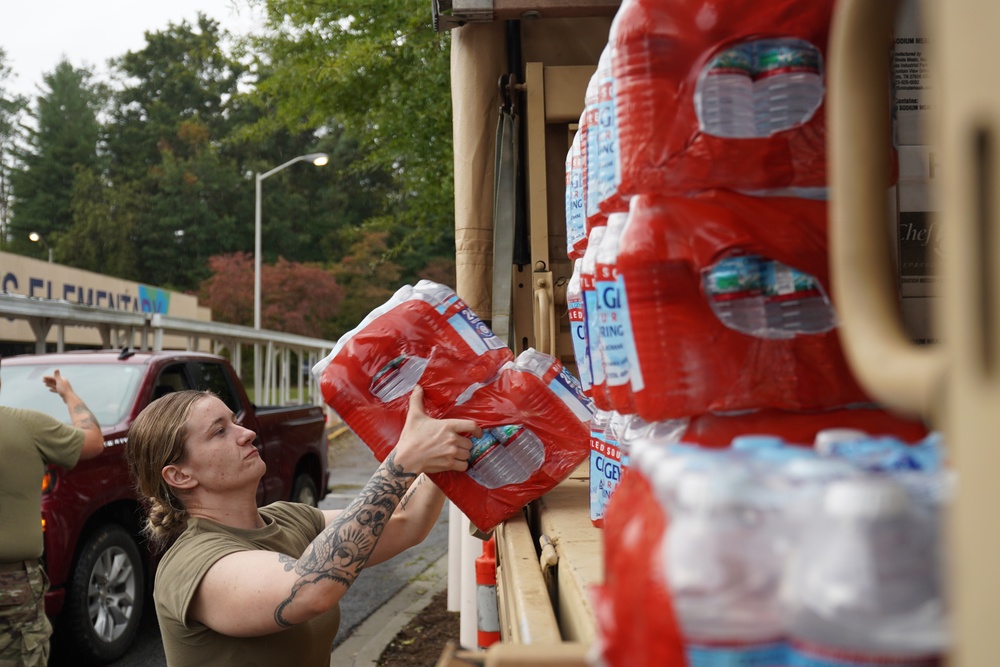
(788, 84)
(508, 454)
(864, 581)
(609, 162)
(588, 284)
(576, 221)
(667, 465)
(797, 485)
(724, 96)
(930, 453)
(755, 443)
(605, 467)
(578, 325)
(733, 288)
(633, 429)
(592, 167)
(826, 440)
(397, 378)
(613, 435)
(720, 555)
(794, 302)
(876, 454)
(613, 315)
(766, 298)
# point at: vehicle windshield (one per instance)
(107, 389)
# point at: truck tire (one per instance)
(106, 597)
(304, 490)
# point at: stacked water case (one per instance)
(705, 291)
(534, 415)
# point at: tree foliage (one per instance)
(382, 71)
(367, 276)
(102, 237)
(162, 190)
(296, 298)
(65, 138)
(12, 109)
(166, 139)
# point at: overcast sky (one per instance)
(36, 34)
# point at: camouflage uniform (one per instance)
(31, 440)
(24, 627)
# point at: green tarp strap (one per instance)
(504, 213)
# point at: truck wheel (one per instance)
(106, 597)
(304, 490)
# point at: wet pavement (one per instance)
(351, 466)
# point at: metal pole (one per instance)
(319, 159)
(256, 288)
(256, 254)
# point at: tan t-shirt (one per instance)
(290, 528)
(30, 441)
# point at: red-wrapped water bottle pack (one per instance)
(536, 423)
(695, 351)
(534, 414)
(636, 621)
(424, 334)
(727, 94)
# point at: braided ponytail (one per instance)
(156, 439)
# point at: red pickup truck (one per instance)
(95, 557)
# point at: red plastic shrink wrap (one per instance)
(668, 57)
(636, 624)
(537, 423)
(534, 412)
(800, 428)
(688, 361)
(424, 334)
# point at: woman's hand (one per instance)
(433, 445)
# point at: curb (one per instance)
(336, 433)
(367, 642)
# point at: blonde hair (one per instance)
(155, 440)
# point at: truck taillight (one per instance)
(48, 481)
(43, 524)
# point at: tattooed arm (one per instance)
(252, 593)
(410, 524)
(79, 414)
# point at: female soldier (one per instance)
(245, 585)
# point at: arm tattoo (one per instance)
(409, 494)
(83, 417)
(339, 553)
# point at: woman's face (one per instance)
(219, 453)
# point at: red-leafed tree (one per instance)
(295, 298)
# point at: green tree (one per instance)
(190, 213)
(368, 278)
(12, 108)
(308, 212)
(66, 136)
(179, 132)
(182, 74)
(102, 237)
(381, 71)
(165, 139)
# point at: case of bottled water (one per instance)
(864, 582)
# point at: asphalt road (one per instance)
(351, 465)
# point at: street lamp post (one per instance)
(318, 159)
(37, 238)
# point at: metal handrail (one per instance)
(120, 328)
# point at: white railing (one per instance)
(154, 331)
